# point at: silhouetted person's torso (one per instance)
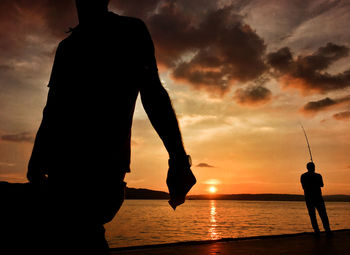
(312, 183)
(94, 85)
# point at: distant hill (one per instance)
(132, 193)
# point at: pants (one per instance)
(312, 205)
(78, 218)
(58, 220)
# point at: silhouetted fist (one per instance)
(180, 180)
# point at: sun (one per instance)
(212, 189)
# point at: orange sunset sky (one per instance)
(241, 75)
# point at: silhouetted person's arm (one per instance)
(158, 107)
(157, 103)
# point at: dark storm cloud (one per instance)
(21, 21)
(204, 165)
(29, 34)
(342, 115)
(20, 137)
(319, 105)
(59, 16)
(323, 104)
(205, 43)
(135, 8)
(253, 95)
(208, 47)
(5, 68)
(308, 73)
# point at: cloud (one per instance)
(212, 182)
(342, 115)
(254, 95)
(320, 21)
(212, 48)
(225, 51)
(20, 137)
(279, 20)
(309, 73)
(324, 104)
(209, 47)
(29, 32)
(23, 21)
(4, 68)
(135, 8)
(204, 165)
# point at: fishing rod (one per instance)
(307, 141)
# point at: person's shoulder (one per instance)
(71, 34)
(62, 44)
(304, 174)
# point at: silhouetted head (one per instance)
(88, 10)
(310, 167)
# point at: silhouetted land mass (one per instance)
(132, 193)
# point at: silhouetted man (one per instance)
(312, 183)
(82, 148)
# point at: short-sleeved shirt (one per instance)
(96, 77)
(312, 183)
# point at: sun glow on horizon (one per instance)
(212, 189)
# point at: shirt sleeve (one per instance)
(148, 63)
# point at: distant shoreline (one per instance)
(133, 193)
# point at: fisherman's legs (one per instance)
(321, 208)
(312, 213)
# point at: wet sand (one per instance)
(296, 244)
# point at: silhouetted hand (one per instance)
(180, 180)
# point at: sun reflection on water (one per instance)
(212, 229)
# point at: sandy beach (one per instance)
(300, 244)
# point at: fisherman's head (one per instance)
(310, 167)
(90, 9)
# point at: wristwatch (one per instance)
(181, 161)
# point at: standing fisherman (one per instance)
(312, 183)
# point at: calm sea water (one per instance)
(142, 222)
